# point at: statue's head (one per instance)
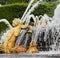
(16, 22)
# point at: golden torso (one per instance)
(11, 38)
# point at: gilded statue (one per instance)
(9, 44)
(32, 48)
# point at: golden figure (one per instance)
(9, 44)
(32, 48)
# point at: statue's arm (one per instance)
(24, 26)
(29, 27)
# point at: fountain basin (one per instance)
(48, 54)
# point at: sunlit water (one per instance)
(3, 37)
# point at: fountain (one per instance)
(28, 19)
(42, 38)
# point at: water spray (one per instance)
(6, 22)
(31, 10)
(27, 9)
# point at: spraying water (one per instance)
(56, 31)
(6, 22)
(3, 37)
(51, 36)
(28, 19)
(27, 9)
(31, 10)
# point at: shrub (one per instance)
(11, 1)
(12, 11)
(3, 26)
(45, 8)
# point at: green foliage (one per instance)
(58, 1)
(45, 8)
(12, 11)
(12, 1)
(16, 10)
(2, 26)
